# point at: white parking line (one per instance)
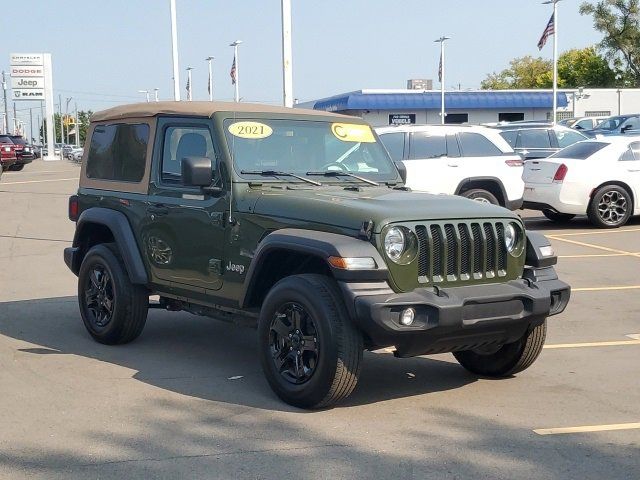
(596, 232)
(587, 429)
(635, 336)
(596, 255)
(591, 245)
(37, 181)
(617, 343)
(604, 289)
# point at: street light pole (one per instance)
(441, 40)
(6, 109)
(237, 65)
(77, 126)
(555, 57)
(210, 82)
(155, 93)
(287, 72)
(174, 52)
(66, 110)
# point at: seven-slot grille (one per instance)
(461, 251)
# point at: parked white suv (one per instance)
(471, 161)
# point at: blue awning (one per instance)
(359, 100)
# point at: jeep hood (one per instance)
(348, 209)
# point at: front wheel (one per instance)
(309, 349)
(507, 360)
(16, 168)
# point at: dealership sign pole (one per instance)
(32, 79)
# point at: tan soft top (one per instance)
(205, 109)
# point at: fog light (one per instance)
(407, 316)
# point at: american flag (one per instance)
(233, 71)
(440, 69)
(548, 31)
(188, 87)
(209, 84)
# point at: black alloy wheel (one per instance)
(99, 296)
(293, 341)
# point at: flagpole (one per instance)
(287, 74)
(555, 60)
(441, 40)
(174, 52)
(210, 84)
(235, 56)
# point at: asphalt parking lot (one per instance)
(188, 399)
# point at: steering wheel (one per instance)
(340, 167)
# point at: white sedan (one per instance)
(600, 178)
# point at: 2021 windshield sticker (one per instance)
(250, 130)
(350, 132)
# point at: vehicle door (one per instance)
(630, 124)
(184, 229)
(534, 143)
(629, 163)
(429, 166)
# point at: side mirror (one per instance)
(402, 169)
(625, 128)
(197, 171)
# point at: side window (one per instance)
(568, 138)
(538, 138)
(476, 145)
(427, 146)
(511, 136)
(585, 124)
(632, 153)
(394, 143)
(118, 152)
(632, 123)
(453, 149)
(180, 142)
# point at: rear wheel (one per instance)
(113, 310)
(481, 195)
(508, 359)
(309, 349)
(557, 216)
(16, 168)
(610, 207)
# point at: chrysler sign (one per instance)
(26, 59)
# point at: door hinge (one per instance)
(217, 218)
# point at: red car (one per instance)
(8, 156)
(24, 152)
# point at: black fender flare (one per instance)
(534, 257)
(119, 226)
(318, 244)
(495, 180)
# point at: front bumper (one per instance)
(459, 318)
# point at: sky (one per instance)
(104, 51)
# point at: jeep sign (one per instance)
(27, 82)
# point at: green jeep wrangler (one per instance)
(297, 222)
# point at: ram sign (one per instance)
(28, 93)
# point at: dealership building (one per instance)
(408, 106)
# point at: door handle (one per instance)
(452, 164)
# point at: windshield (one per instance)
(18, 140)
(303, 146)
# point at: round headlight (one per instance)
(511, 237)
(395, 243)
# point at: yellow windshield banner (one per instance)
(252, 130)
(350, 132)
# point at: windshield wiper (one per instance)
(337, 173)
(276, 173)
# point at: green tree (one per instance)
(576, 68)
(619, 22)
(83, 121)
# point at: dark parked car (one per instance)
(24, 152)
(538, 140)
(7, 152)
(618, 125)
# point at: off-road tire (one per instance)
(509, 359)
(480, 195)
(16, 168)
(130, 302)
(594, 215)
(340, 342)
(557, 216)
